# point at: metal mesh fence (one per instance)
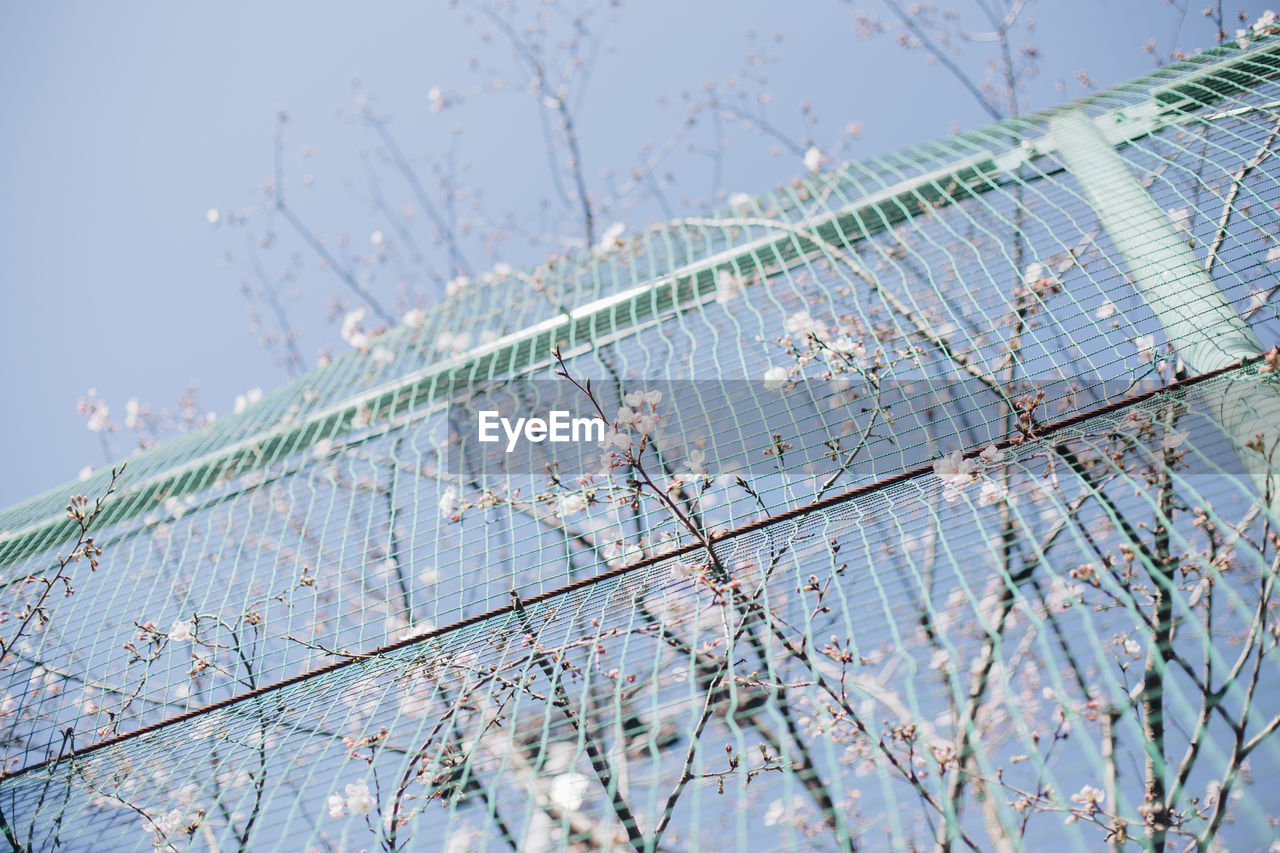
(933, 508)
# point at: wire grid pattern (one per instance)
(502, 317)
(825, 672)
(342, 513)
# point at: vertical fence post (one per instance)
(1203, 328)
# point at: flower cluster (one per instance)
(455, 343)
(358, 801)
(808, 340)
(174, 824)
(1089, 798)
(352, 330)
(354, 333)
(182, 632)
(957, 473)
(639, 414)
(97, 411)
(243, 401)
(1265, 25)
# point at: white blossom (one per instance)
(1035, 273)
(740, 203)
(448, 501)
(800, 325)
(954, 468)
(167, 824)
(182, 632)
(774, 378)
(1106, 310)
(175, 507)
(646, 424)
(990, 493)
(353, 329)
(414, 318)
(213, 216)
(613, 438)
(464, 839)
(458, 343)
(813, 158)
(611, 235)
(637, 398)
(729, 285)
(681, 570)
(620, 553)
(1089, 797)
(359, 800)
(1135, 420)
(569, 790)
(1173, 438)
(418, 629)
(955, 472)
(991, 455)
(382, 356)
(843, 346)
(570, 504)
(1146, 347)
(131, 411)
(98, 418)
(247, 399)
(377, 238)
(781, 812)
(337, 806)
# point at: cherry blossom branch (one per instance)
(1263, 153)
(457, 258)
(78, 511)
(944, 58)
(326, 257)
(919, 323)
(599, 762)
(557, 101)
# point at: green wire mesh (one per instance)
(814, 631)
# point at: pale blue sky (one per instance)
(124, 124)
